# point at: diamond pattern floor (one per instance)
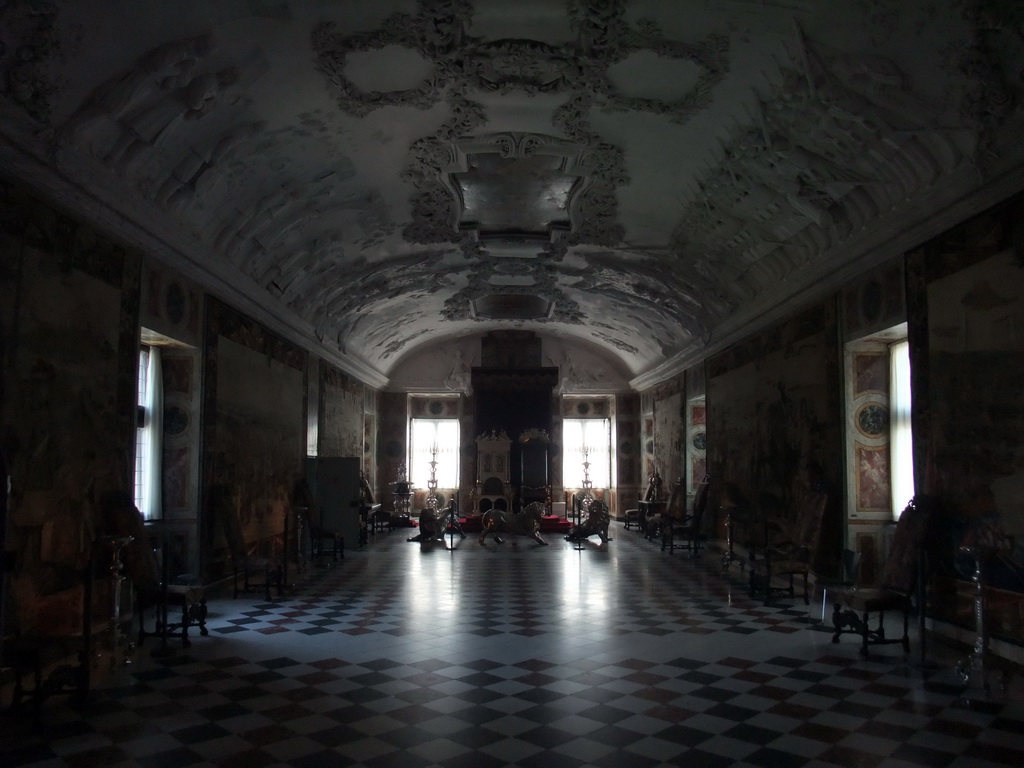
(406, 654)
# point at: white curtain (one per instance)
(590, 440)
(901, 440)
(151, 445)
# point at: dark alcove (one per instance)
(513, 395)
(517, 402)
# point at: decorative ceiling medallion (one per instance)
(454, 200)
(513, 267)
(462, 62)
(391, 69)
(508, 186)
(504, 195)
(510, 243)
(471, 303)
(490, 176)
(506, 306)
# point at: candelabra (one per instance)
(974, 670)
(121, 646)
(432, 482)
(402, 493)
(730, 555)
(587, 498)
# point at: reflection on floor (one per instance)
(406, 654)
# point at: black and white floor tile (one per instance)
(405, 654)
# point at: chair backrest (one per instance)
(901, 564)
(700, 503)
(850, 563)
(810, 520)
(653, 488)
(493, 486)
(365, 491)
(676, 506)
(223, 509)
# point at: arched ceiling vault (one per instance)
(650, 178)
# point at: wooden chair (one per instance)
(659, 515)
(631, 518)
(147, 565)
(257, 571)
(380, 519)
(849, 565)
(789, 549)
(853, 608)
(686, 528)
(63, 657)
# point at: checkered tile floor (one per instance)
(619, 655)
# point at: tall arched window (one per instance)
(149, 434)
(586, 440)
(434, 440)
(901, 439)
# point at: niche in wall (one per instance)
(515, 401)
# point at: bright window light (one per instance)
(149, 434)
(590, 438)
(901, 439)
(424, 436)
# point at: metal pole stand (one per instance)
(974, 670)
(730, 556)
(452, 524)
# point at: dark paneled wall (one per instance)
(69, 311)
(254, 437)
(392, 445)
(774, 407)
(966, 308)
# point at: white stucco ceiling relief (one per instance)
(645, 180)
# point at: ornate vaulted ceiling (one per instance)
(651, 178)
